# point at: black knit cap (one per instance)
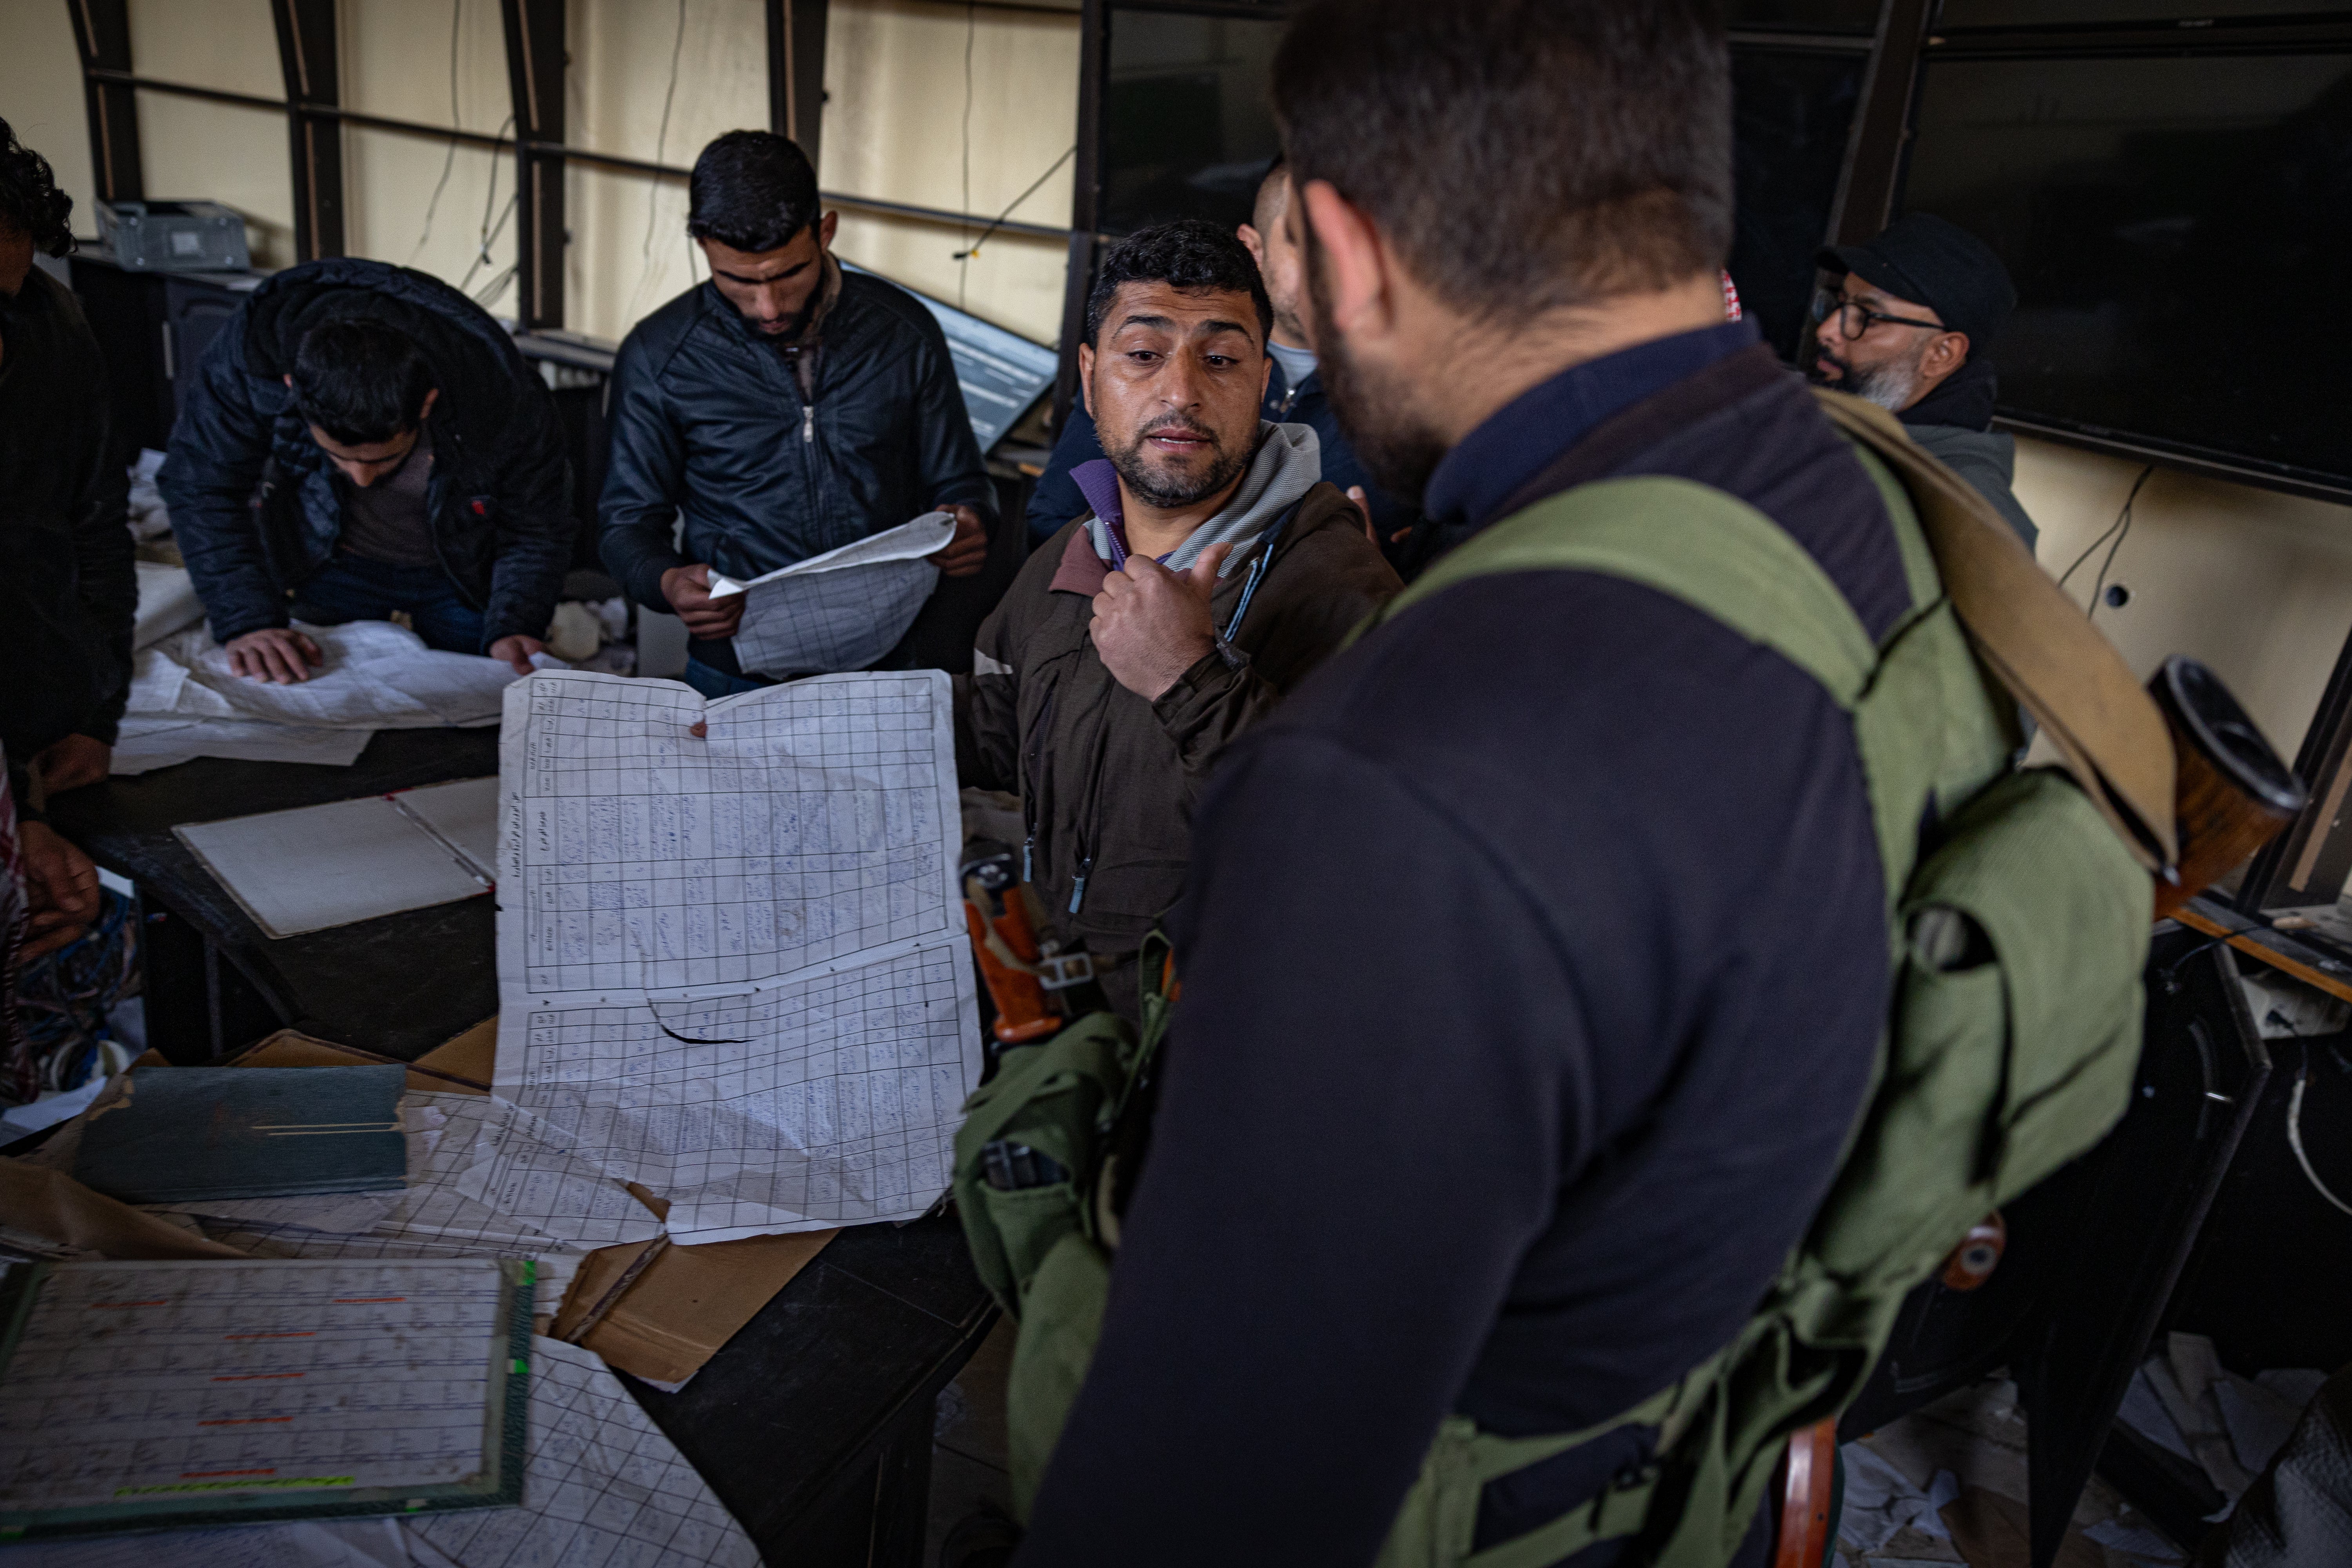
(1941, 266)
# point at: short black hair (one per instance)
(1520, 154)
(30, 202)
(359, 381)
(751, 189)
(1190, 254)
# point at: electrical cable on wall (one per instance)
(449, 159)
(998, 221)
(2119, 531)
(487, 234)
(661, 145)
(963, 258)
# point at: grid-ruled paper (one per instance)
(732, 965)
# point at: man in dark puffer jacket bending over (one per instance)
(404, 456)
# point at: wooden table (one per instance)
(813, 1423)
(399, 985)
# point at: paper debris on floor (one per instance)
(2186, 1401)
(1881, 1502)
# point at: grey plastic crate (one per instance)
(174, 236)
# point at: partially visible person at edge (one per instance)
(1123, 660)
(1534, 951)
(407, 460)
(68, 584)
(1294, 393)
(785, 407)
(1905, 322)
(69, 594)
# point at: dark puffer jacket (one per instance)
(501, 492)
(708, 420)
(1107, 780)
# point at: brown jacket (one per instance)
(1107, 780)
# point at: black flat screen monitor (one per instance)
(1187, 132)
(2179, 230)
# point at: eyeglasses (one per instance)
(1854, 319)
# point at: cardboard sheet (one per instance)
(52, 1207)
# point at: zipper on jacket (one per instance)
(1078, 890)
(808, 423)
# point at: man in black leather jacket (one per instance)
(785, 408)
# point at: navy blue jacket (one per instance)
(501, 492)
(1535, 965)
(708, 420)
(1056, 500)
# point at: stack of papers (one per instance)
(160, 1394)
(441, 1213)
(601, 1485)
(316, 867)
(186, 702)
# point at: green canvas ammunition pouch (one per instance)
(2018, 922)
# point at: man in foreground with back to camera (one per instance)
(786, 408)
(1906, 321)
(1212, 570)
(1536, 953)
(407, 460)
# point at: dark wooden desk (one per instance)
(398, 986)
(814, 1424)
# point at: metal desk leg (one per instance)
(200, 1008)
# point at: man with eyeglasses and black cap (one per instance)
(1905, 322)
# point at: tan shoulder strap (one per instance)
(2036, 641)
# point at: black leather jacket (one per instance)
(708, 420)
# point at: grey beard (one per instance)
(1889, 385)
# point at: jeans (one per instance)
(347, 588)
(717, 683)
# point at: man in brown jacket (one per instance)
(1215, 570)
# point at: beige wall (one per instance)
(629, 251)
(2257, 584)
(893, 130)
(40, 97)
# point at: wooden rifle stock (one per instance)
(2231, 794)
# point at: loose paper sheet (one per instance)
(732, 967)
(377, 676)
(603, 1486)
(148, 742)
(447, 1135)
(841, 610)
